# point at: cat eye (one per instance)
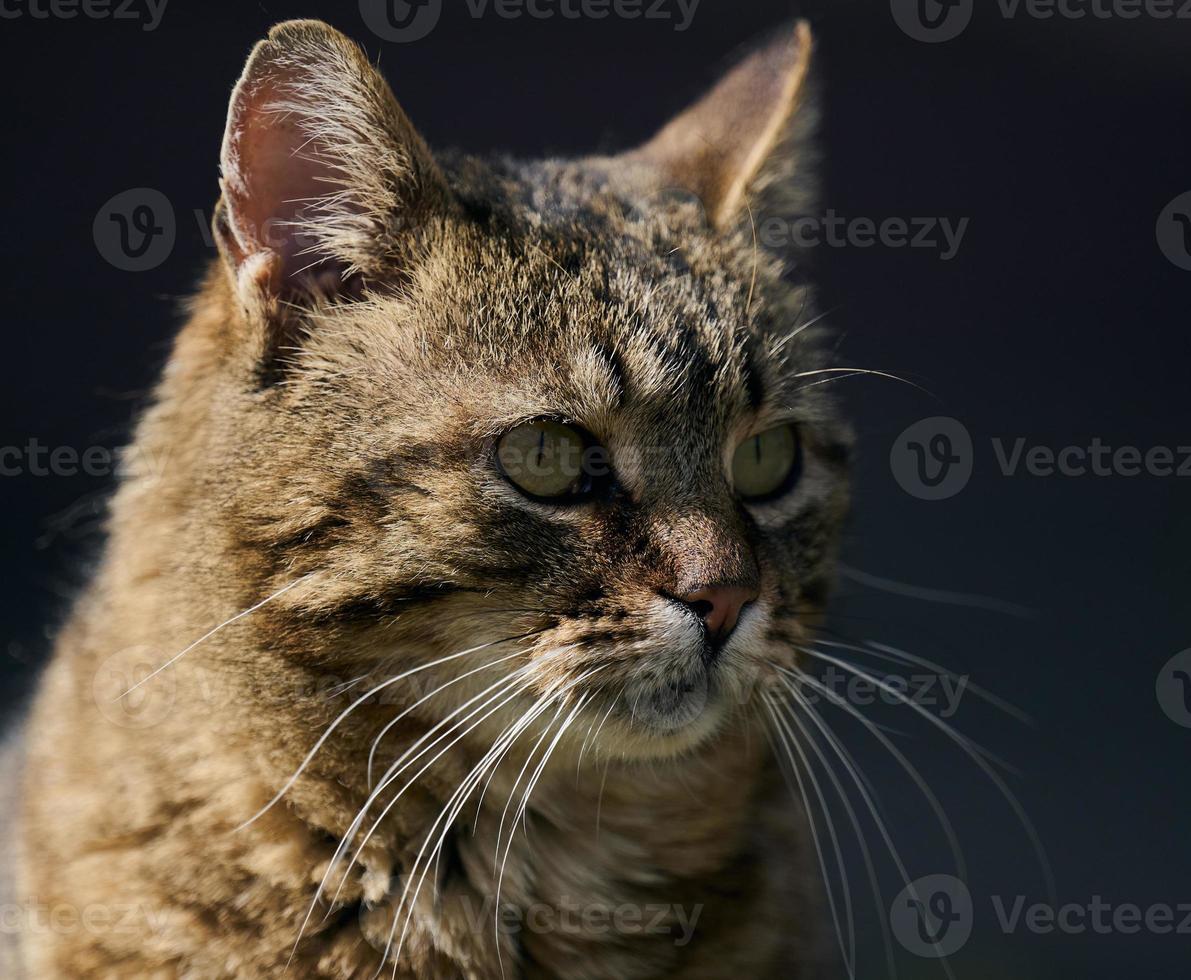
(767, 464)
(546, 459)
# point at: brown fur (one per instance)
(323, 436)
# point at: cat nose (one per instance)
(719, 606)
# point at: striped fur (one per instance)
(327, 422)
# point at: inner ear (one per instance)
(325, 181)
(274, 180)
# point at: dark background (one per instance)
(1059, 321)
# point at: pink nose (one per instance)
(719, 606)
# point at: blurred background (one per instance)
(1056, 149)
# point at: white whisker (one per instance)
(210, 633)
(848, 949)
(969, 748)
(352, 707)
(907, 766)
(422, 700)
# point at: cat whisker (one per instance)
(518, 683)
(447, 817)
(484, 792)
(340, 689)
(496, 757)
(776, 349)
(600, 796)
(882, 651)
(974, 752)
(848, 946)
(490, 761)
(882, 829)
(908, 767)
(866, 795)
(426, 697)
(590, 737)
(354, 705)
(942, 596)
(525, 803)
(458, 800)
(345, 843)
(210, 633)
(868, 674)
(828, 381)
(508, 688)
(852, 371)
(496, 863)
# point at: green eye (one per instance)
(765, 464)
(544, 459)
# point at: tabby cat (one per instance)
(492, 500)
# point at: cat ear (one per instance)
(750, 135)
(325, 181)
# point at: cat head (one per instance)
(560, 423)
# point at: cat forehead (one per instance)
(560, 292)
(580, 263)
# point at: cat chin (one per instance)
(656, 720)
(642, 745)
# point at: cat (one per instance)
(494, 500)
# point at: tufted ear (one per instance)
(749, 136)
(325, 181)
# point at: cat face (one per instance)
(567, 417)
